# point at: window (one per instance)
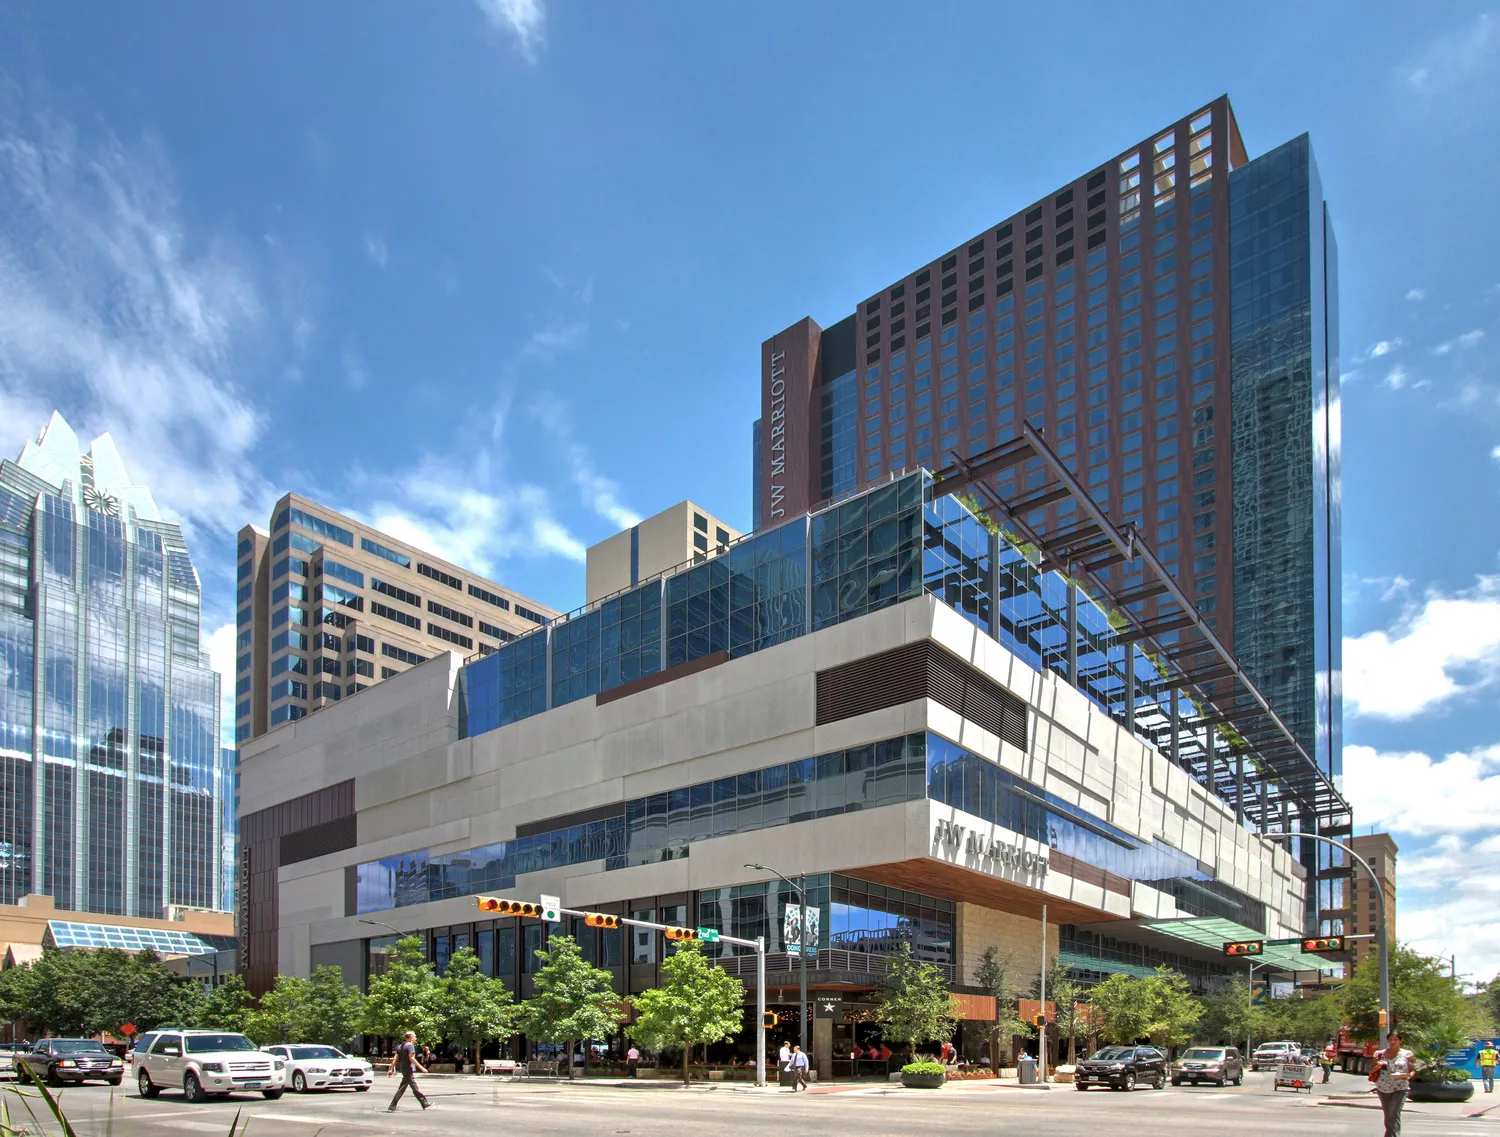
(528, 614)
(700, 522)
(379, 550)
(379, 609)
(440, 576)
(443, 633)
(449, 614)
(489, 597)
(387, 672)
(395, 593)
(721, 535)
(391, 651)
(700, 542)
(344, 573)
(498, 633)
(325, 529)
(362, 667)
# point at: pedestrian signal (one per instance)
(681, 933)
(600, 920)
(1324, 943)
(769, 1020)
(1245, 947)
(1039, 1020)
(509, 907)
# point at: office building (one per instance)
(1365, 901)
(683, 534)
(1169, 321)
(112, 784)
(856, 695)
(328, 605)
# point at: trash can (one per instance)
(1026, 1064)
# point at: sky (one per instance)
(494, 275)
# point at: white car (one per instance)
(205, 1063)
(1274, 1054)
(312, 1067)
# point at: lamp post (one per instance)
(801, 891)
(1382, 945)
(383, 924)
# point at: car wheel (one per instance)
(192, 1089)
(1177, 1081)
(363, 1089)
(299, 1083)
(1161, 1081)
(271, 1095)
(1076, 1085)
(52, 1078)
(115, 1081)
(1239, 1079)
(144, 1085)
(1129, 1083)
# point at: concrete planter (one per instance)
(1441, 1091)
(923, 1081)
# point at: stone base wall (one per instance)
(1019, 938)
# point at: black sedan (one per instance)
(1121, 1067)
(62, 1060)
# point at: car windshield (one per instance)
(76, 1046)
(1113, 1054)
(1204, 1054)
(302, 1053)
(214, 1043)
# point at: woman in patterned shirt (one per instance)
(1393, 1077)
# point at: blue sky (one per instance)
(494, 274)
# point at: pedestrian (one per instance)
(633, 1059)
(784, 1065)
(1392, 1076)
(1325, 1059)
(406, 1063)
(799, 1068)
(1489, 1057)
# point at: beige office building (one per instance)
(1364, 902)
(327, 606)
(683, 534)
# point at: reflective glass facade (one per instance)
(113, 792)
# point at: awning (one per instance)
(1213, 932)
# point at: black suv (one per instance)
(1121, 1067)
(60, 1060)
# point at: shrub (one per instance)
(924, 1068)
(1441, 1075)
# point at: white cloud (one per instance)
(1441, 648)
(1416, 295)
(376, 251)
(599, 493)
(1453, 58)
(1395, 378)
(1384, 347)
(1411, 792)
(1495, 453)
(220, 645)
(522, 18)
(1467, 339)
(112, 314)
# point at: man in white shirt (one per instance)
(799, 1068)
(784, 1059)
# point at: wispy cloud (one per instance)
(1396, 378)
(523, 19)
(1467, 339)
(1453, 58)
(355, 374)
(599, 493)
(376, 250)
(1416, 295)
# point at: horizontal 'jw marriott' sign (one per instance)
(1007, 857)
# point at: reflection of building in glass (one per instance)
(114, 795)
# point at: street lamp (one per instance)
(383, 924)
(801, 891)
(1383, 944)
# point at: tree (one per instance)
(1157, 1007)
(278, 1018)
(996, 975)
(572, 998)
(78, 992)
(472, 1007)
(915, 1006)
(1227, 1016)
(1492, 1000)
(1425, 1001)
(225, 1006)
(401, 999)
(698, 1002)
(1069, 1018)
(332, 1014)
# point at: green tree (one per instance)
(1069, 1019)
(1425, 1002)
(572, 999)
(1227, 1018)
(996, 975)
(915, 1006)
(401, 998)
(226, 1005)
(1492, 1000)
(1157, 1007)
(332, 1014)
(279, 1016)
(472, 1007)
(699, 1002)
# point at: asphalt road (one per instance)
(462, 1106)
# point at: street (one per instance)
(462, 1105)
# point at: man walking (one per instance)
(799, 1068)
(406, 1063)
(1325, 1059)
(1489, 1057)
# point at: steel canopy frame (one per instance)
(1269, 766)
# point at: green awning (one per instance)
(1085, 962)
(1212, 932)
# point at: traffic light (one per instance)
(769, 1020)
(1245, 947)
(1039, 1020)
(509, 907)
(1324, 943)
(681, 933)
(600, 920)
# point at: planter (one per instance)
(1441, 1091)
(923, 1081)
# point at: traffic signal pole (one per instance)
(758, 944)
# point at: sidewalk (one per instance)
(1475, 1109)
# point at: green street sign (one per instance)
(709, 935)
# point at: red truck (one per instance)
(1353, 1057)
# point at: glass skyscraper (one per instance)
(113, 785)
(1169, 321)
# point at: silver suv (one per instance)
(204, 1063)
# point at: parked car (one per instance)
(60, 1060)
(1269, 1055)
(203, 1063)
(1121, 1067)
(1220, 1065)
(10, 1056)
(311, 1067)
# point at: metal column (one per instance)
(1072, 631)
